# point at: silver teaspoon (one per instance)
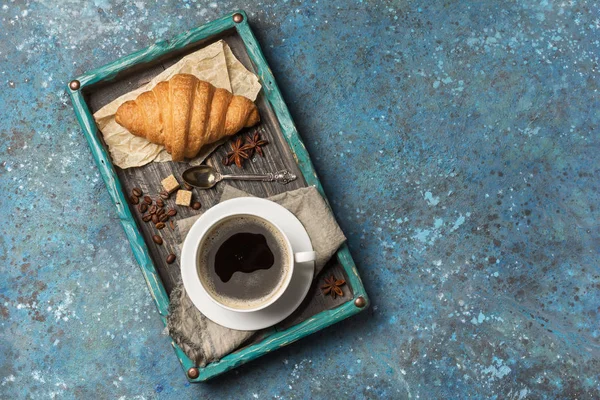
(205, 177)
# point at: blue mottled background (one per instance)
(457, 141)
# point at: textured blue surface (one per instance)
(457, 142)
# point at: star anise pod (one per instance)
(239, 152)
(256, 143)
(332, 287)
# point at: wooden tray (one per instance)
(96, 88)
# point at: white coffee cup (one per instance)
(295, 260)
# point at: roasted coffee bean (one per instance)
(196, 205)
(186, 186)
(160, 202)
(157, 239)
(171, 225)
(172, 212)
(143, 207)
(137, 192)
(171, 258)
(160, 211)
(146, 217)
(163, 218)
(153, 209)
(160, 225)
(147, 200)
(164, 194)
(134, 199)
(155, 219)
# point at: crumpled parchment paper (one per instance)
(215, 64)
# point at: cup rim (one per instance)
(282, 288)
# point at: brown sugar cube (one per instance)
(184, 198)
(170, 183)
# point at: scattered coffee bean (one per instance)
(160, 211)
(146, 217)
(171, 258)
(160, 202)
(153, 209)
(137, 192)
(163, 218)
(143, 207)
(155, 219)
(160, 225)
(164, 194)
(134, 199)
(172, 212)
(171, 225)
(196, 205)
(157, 239)
(147, 200)
(186, 186)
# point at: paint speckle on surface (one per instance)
(479, 319)
(459, 221)
(432, 201)
(497, 370)
(457, 143)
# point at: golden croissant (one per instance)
(184, 113)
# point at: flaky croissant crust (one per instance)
(185, 113)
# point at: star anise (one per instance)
(256, 143)
(239, 152)
(332, 287)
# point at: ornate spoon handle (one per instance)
(284, 176)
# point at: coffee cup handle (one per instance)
(305, 256)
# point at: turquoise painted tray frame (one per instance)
(235, 20)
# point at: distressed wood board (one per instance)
(285, 151)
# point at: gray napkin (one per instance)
(205, 341)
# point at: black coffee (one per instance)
(243, 261)
(243, 252)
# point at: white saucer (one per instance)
(289, 300)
